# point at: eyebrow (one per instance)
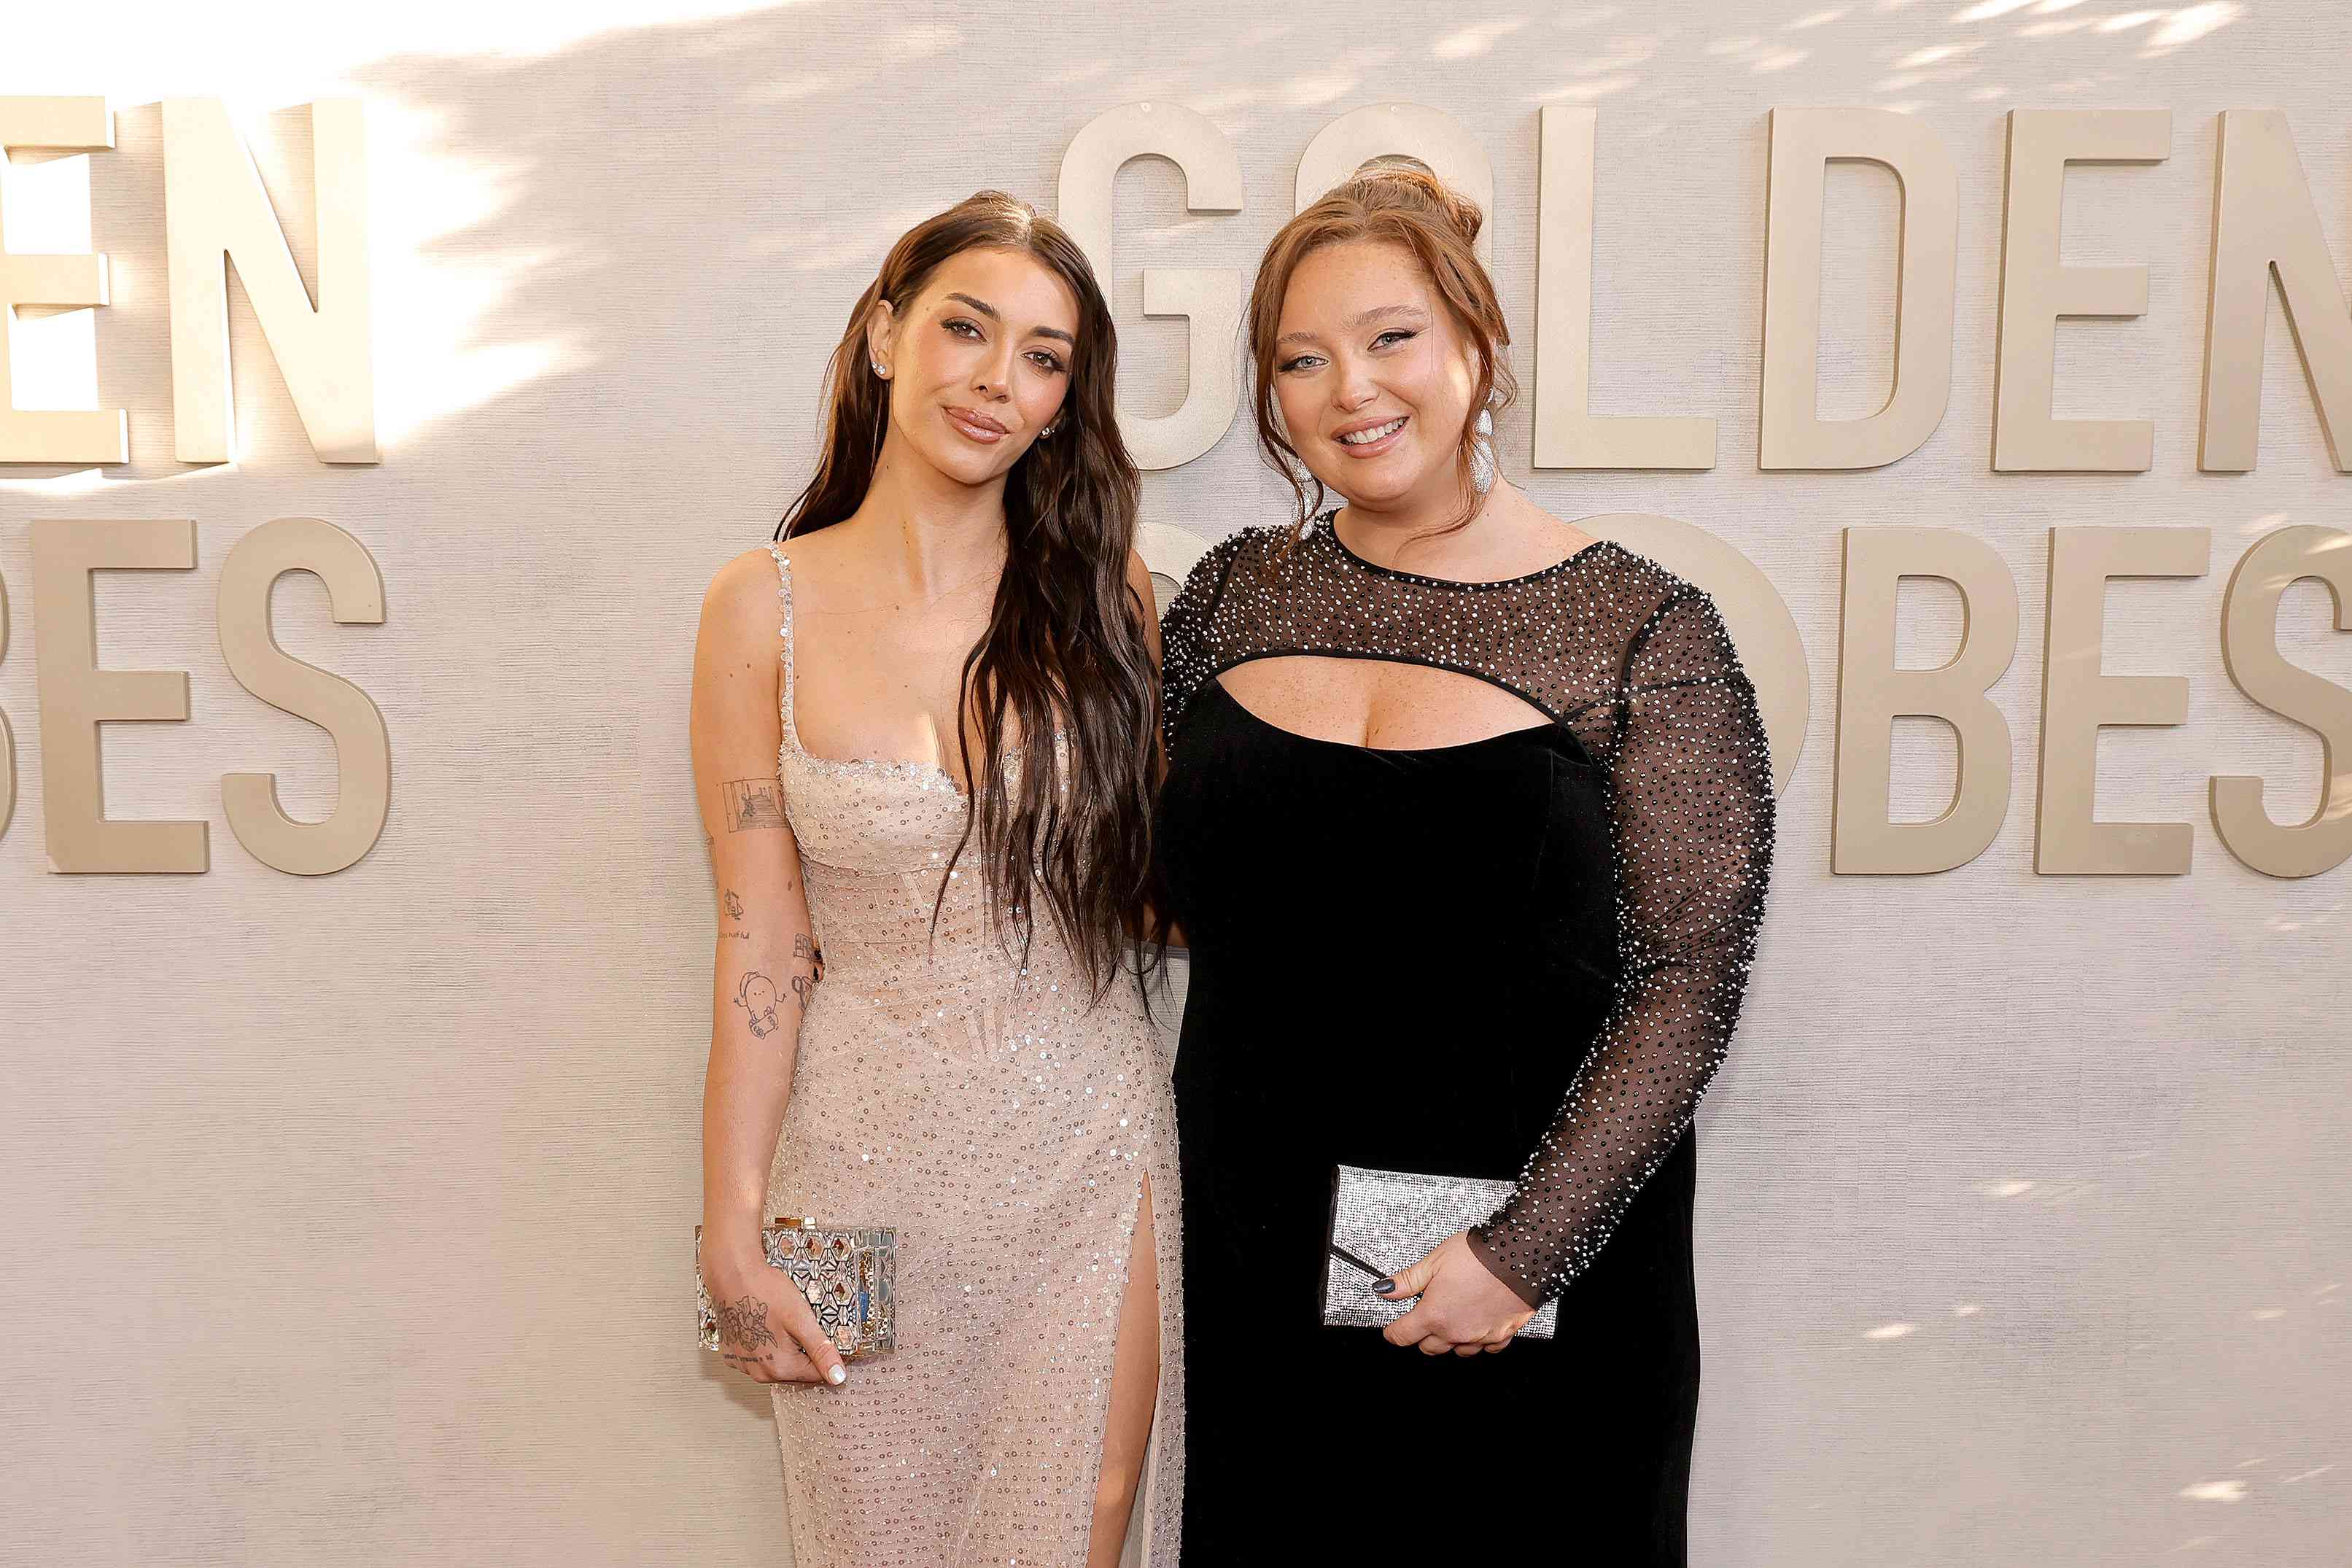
(993, 314)
(1410, 312)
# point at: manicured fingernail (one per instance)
(1383, 1286)
(838, 1375)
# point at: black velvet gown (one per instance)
(1521, 957)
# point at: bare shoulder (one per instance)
(742, 579)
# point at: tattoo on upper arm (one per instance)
(754, 804)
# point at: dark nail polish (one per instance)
(1383, 1286)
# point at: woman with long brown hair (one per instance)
(923, 725)
(1468, 819)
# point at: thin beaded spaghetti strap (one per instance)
(784, 637)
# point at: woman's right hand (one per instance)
(767, 1331)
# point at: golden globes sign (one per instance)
(216, 213)
(2264, 225)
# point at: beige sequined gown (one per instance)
(1004, 1128)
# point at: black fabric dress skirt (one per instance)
(1398, 960)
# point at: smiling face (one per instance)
(1373, 379)
(978, 362)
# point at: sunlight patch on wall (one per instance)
(433, 361)
(286, 51)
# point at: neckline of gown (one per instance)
(1548, 729)
(1328, 525)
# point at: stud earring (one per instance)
(880, 371)
(1049, 429)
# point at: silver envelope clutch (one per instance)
(1388, 1220)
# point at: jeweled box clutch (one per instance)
(849, 1276)
(1382, 1221)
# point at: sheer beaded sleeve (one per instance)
(1186, 655)
(1692, 831)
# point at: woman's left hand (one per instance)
(1463, 1307)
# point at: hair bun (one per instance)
(1400, 174)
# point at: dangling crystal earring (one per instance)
(1482, 453)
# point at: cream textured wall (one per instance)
(346, 1220)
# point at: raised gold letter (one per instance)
(2263, 221)
(1568, 433)
(214, 203)
(2321, 841)
(1873, 692)
(2078, 700)
(1210, 298)
(362, 752)
(77, 696)
(2035, 291)
(1791, 435)
(51, 127)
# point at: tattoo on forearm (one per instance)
(734, 905)
(757, 997)
(753, 805)
(745, 1322)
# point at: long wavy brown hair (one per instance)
(1399, 202)
(1066, 642)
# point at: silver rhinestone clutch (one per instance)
(849, 1278)
(1382, 1221)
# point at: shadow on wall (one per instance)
(561, 229)
(588, 213)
